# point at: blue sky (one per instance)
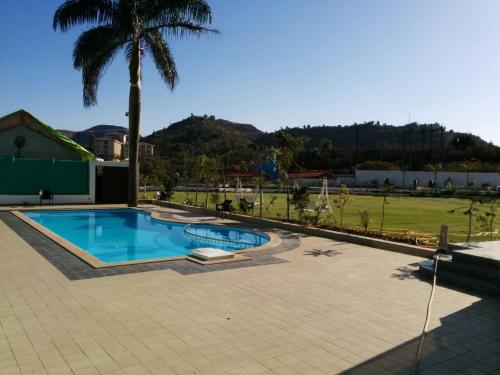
(279, 63)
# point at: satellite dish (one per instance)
(20, 141)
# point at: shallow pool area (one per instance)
(123, 235)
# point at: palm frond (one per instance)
(78, 12)
(166, 11)
(181, 29)
(93, 52)
(162, 56)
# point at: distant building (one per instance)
(24, 136)
(108, 148)
(117, 136)
(114, 146)
(145, 150)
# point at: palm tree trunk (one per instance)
(134, 119)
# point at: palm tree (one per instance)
(135, 26)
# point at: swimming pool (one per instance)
(122, 235)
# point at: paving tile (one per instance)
(354, 313)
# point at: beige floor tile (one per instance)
(309, 315)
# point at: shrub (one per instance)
(300, 199)
(188, 200)
(168, 184)
(214, 197)
(487, 219)
(244, 206)
(312, 217)
(364, 218)
(343, 199)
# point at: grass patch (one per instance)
(417, 215)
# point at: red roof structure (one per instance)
(243, 174)
(313, 173)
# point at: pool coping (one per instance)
(274, 240)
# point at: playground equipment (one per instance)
(322, 204)
(247, 196)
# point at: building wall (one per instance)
(108, 148)
(37, 146)
(30, 199)
(145, 150)
(407, 178)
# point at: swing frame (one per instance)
(323, 202)
(239, 191)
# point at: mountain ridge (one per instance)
(415, 145)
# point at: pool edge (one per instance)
(274, 240)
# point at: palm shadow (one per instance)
(328, 253)
(408, 272)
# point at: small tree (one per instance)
(168, 187)
(207, 172)
(300, 199)
(152, 170)
(259, 182)
(387, 189)
(214, 197)
(329, 219)
(343, 199)
(470, 211)
(271, 204)
(487, 220)
(364, 218)
(284, 158)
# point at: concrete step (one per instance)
(451, 276)
(471, 269)
(488, 257)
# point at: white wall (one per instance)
(20, 200)
(406, 178)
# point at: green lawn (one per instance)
(412, 214)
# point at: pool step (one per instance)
(233, 258)
(209, 253)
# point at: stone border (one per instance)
(75, 250)
(74, 268)
(274, 240)
(318, 232)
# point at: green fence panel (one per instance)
(20, 176)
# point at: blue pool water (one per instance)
(127, 234)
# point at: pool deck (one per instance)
(320, 307)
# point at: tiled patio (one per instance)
(324, 308)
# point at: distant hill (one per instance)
(84, 137)
(326, 147)
(67, 133)
(373, 135)
(204, 135)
